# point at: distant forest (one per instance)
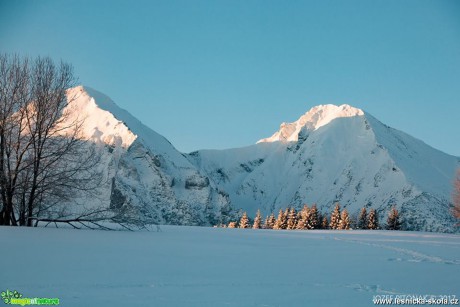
(309, 218)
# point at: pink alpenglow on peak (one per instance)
(315, 118)
(100, 124)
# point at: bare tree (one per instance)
(44, 160)
(456, 196)
(14, 93)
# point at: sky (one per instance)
(222, 74)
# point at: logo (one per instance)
(16, 298)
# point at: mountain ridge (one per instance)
(353, 159)
(330, 154)
(313, 119)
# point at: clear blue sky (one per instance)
(219, 74)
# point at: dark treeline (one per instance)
(309, 218)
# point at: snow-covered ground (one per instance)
(193, 266)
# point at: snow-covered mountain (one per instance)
(331, 154)
(142, 169)
(337, 154)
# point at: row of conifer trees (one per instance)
(311, 218)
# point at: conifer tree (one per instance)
(244, 221)
(362, 219)
(313, 221)
(270, 222)
(393, 221)
(320, 220)
(265, 224)
(281, 221)
(257, 220)
(303, 219)
(373, 220)
(325, 223)
(299, 215)
(291, 219)
(335, 217)
(232, 225)
(344, 223)
(286, 213)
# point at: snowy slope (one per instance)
(337, 154)
(142, 169)
(202, 266)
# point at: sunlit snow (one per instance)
(192, 266)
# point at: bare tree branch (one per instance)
(456, 197)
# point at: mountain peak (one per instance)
(315, 118)
(98, 115)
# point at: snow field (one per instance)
(193, 266)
